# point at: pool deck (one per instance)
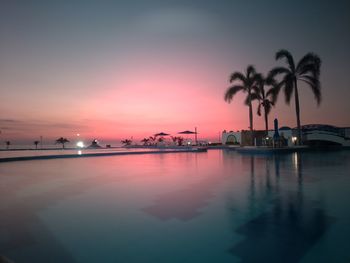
(98, 154)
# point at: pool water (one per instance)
(217, 206)
(82, 151)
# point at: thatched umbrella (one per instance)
(190, 132)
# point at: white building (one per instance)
(231, 137)
(313, 134)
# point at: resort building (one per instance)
(231, 137)
(312, 134)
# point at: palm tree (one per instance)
(126, 142)
(145, 141)
(266, 99)
(152, 140)
(174, 139)
(180, 140)
(36, 144)
(62, 141)
(307, 70)
(247, 85)
(8, 143)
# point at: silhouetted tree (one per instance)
(152, 139)
(265, 99)
(126, 142)
(246, 83)
(307, 70)
(8, 143)
(180, 140)
(145, 141)
(62, 141)
(174, 139)
(36, 144)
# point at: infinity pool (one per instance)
(20, 153)
(216, 206)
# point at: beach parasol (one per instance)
(190, 132)
(161, 134)
(187, 132)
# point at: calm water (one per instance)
(185, 207)
(18, 153)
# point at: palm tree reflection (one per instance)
(291, 226)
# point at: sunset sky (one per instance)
(115, 69)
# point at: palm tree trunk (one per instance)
(251, 123)
(266, 122)
(297, 110)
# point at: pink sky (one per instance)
(161, 69)
(140, 96)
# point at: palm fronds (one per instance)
(231, 92)
(288, 56)
(245, 82)
(307, 70)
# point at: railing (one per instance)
(324, 136)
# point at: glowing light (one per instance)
(80, 144)
(79, 152)
(294, 139)
(78, 134)
(295, 161)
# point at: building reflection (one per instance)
(285, 231)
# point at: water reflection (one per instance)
(19, 211)
(120, 207)
(290, 227)
(185, 203)
(31, 187)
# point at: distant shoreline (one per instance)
(57, 149)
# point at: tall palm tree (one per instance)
(246, 84)
(307, 70)
(62, 141)
(266, 99)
